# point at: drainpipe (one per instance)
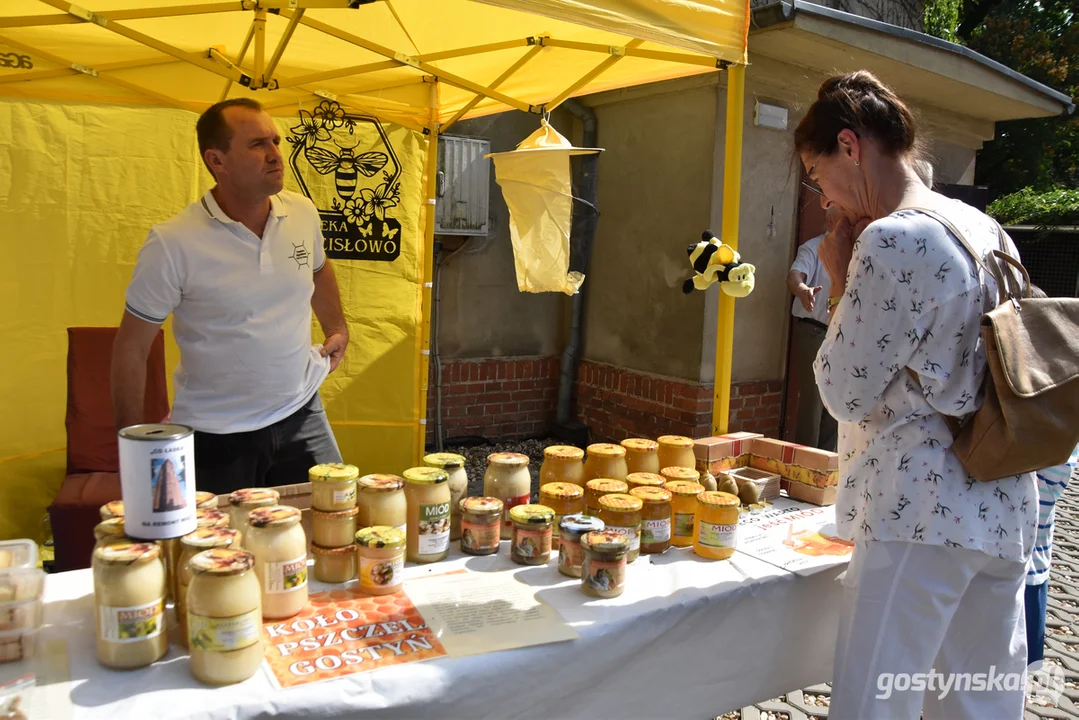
(582, 237)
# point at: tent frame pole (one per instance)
(732, 198)
(427, 256)
(536, 49)
(589, 76)
(633, 50)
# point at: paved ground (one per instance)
(1061, 636)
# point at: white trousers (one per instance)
(945, 613)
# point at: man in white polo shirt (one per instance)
(240, 271)
(808, 282)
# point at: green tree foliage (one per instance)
(941, 18)
(1039, 38)
(1029, 207)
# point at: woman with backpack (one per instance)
(935, 586)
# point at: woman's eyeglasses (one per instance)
(810, 185)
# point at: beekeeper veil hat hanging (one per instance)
(536, 184)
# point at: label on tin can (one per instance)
(157, 480)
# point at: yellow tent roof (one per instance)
(488, 55)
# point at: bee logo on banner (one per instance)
(348, 168)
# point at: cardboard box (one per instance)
(767, 482)
(811, 494)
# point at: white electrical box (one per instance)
(463, 187)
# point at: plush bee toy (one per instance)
(713, 261)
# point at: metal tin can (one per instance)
(157, 480)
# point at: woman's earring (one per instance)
(857, 163)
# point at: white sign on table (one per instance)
(795, 536)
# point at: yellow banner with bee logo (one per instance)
(81, 185)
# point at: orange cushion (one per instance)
(91, 430)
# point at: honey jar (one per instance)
(333, 486)
(595, 489)
(681, 474)
(454, 465)
(645, 479)
(655, 518)
(622, 513)
(481, 525)
(531, 541)
(564, 498)
(333, 529)
(382, 559)
(335, 564)
(683, 510)
(676, 451)
(603, 570)
(716, 525)
(570, 554)
(642, 455)
(605, 461)
(562, 463)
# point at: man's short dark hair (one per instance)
(213, 130)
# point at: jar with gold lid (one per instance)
(200, 540)
(129, 604)
(645, 479)
(655, 518)
(595, 489)
(114, 509)
(108, 530)
(454, 465)
(172, 548)
(507, 478)
(481, 525)
(382, 502)
(277, 540)
(242, 502)
(570, 554)
(428, 495)
(564, 498)
(562, 463)
(333, 529)
(531, 541)
(605, 461)
(382, 559)
(335, 564)
(224, 617)
(205, 500)
(681, 474)
(716, 525)
(603, 570)
(642, 455)
(622, 513)
(676, 451)
(211, 517)
(683, 510)
(333, 486)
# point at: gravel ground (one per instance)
(476, 460)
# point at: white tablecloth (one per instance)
(688, 639)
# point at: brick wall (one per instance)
(495, 398)
(757, 407)
(617, 403)
(512, 398)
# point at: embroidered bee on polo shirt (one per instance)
(301, 255)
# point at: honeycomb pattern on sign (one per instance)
(383, 617)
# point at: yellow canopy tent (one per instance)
(418, 65)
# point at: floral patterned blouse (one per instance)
(914, 300)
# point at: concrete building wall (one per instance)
(481, 313)
(655, 190)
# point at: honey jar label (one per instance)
(510, 503)
(570, 554)
(718, 535)
(286, 576)
(531, 543)
(347, 495)
(480, 537)
(381, 573)
(213, 634)
(633, 533)
(683, 525)
(434, 531)
(656, 531)
(132, 624)
(604, 576)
